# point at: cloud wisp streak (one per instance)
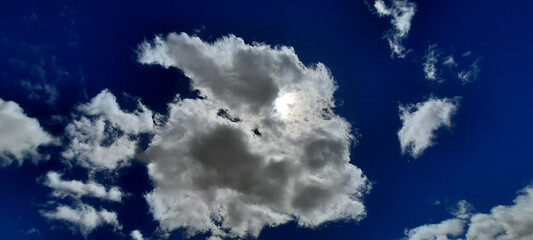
(401, 13)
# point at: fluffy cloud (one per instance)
(83, 218)
(21, 135)
(471, 74)
(430, 65)
(136, 235)
(261, 148)
(502, 223)
(421, 120)
(104, 136)
(77, 189)
(401, 13)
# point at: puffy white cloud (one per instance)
(421, 120)
(440, 231)
(83, 218)
(20, 135)
(502, 223)
(136, 235)
(471, 74)
(77, 189)
(430, 65)
(104, 136)
(261, 149)
(401, 13)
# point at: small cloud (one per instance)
(430, 65)
(32, 231)
(421, 120)
(471, 74)
(401, 13)
(21, 135)
(450, 62)
(77, 189)
(136, 235)
(82, 218)
(262, 148)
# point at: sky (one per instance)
(371, 119)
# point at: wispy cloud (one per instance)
(401, 13)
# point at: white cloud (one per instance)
(136, 235)
(430, 65)
(104, 137)
(450, 62)
(401, 13)
(77, 189)
(470, 74)
(20, 135)
(212, 173)
(502, 223)
(83, 218)
(420, 121)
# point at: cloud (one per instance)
(77, 189)
(261, 147)
(401, 13)
(104, 136)
(420, 121)
(502, 223)
(83, 218)
(450, 62)
(136, 235)
(430, 65)
(471, 74)
(21, 135)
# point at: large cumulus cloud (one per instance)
(261, 147)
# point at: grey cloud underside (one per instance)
(213, 174)
(513, 222)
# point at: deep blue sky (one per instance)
(485, 157)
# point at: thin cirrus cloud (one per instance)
(82, 218)
(277, 153)
(502, 223)
(77, 189)
(421, 120)
(21, 136)
(104, 136)
(436, 68)
(401, 13)
(430, 65)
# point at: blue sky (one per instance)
(420, 143)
